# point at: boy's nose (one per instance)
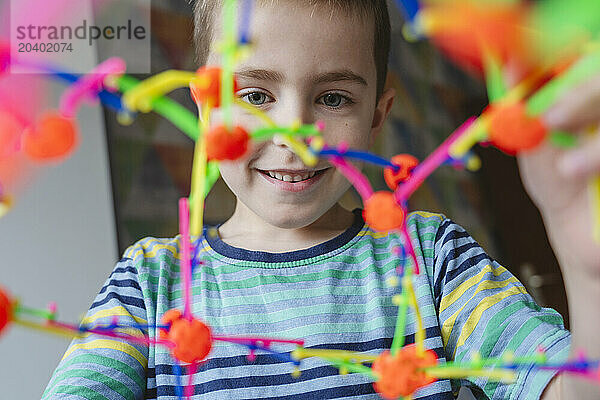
(295, 109)
(278, 141)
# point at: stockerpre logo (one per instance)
(76, 35)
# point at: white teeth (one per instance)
(291, 178)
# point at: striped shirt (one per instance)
(333, 296)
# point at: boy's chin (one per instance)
(292, 219)
(296, 216)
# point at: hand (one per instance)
(557, 180)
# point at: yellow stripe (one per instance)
(449, 323)
(118, 311)
(475, 316)
(374, 235)
(155, 244)
(451, 297)
(160, 247)
(109, 344)
(426, 214)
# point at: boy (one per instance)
(292, 263)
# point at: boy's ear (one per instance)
(382, 110)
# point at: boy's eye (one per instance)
(334, 100)
(255, 98)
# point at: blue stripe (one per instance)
(467, 264)
(121, 283)
(122, 300)
(260, 256)
(123, 270)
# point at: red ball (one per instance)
(192, 338)
(512, 130)
(407, 164)
(54, 137)
(4, 56)
(382, 212)
(207, 87)
(6, 310)
(401, 375)
(223, 144)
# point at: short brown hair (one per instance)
(205, 10)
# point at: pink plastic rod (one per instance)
(89, 85)
(360, 182)
(430, 164)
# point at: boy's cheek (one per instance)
(356, 136)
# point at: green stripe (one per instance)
(324, 328)
(315, 311)
(109, 382)
(261, 281)
(376, 244)
(99, 360)
(226, 269)
(80, 391)
(280, 296)
(84, 392)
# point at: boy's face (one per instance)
(309, 65)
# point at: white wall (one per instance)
(57, 244)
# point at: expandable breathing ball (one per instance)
(192, 337)
(225, 144)
(382, 212)
(206, 88)
(401, 374)
(512, 130)
(54, 137)
(6, 310)
(406, 164)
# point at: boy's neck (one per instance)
(248, 231)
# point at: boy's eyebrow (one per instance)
(337, 76)
(327, 77)
(260, 74)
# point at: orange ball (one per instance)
(192, 338)
(401, 375)
(499, 30)
(512, 130)
(407, 164)
(223, 144)
(54, 137)
(6, 310)
(382, 212)
(207, 86)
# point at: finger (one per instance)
(583, 161)
(577, 108)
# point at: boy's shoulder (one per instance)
(152, 252)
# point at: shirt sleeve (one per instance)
(99, 367)
(484, 310)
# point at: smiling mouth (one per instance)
(291, 176)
